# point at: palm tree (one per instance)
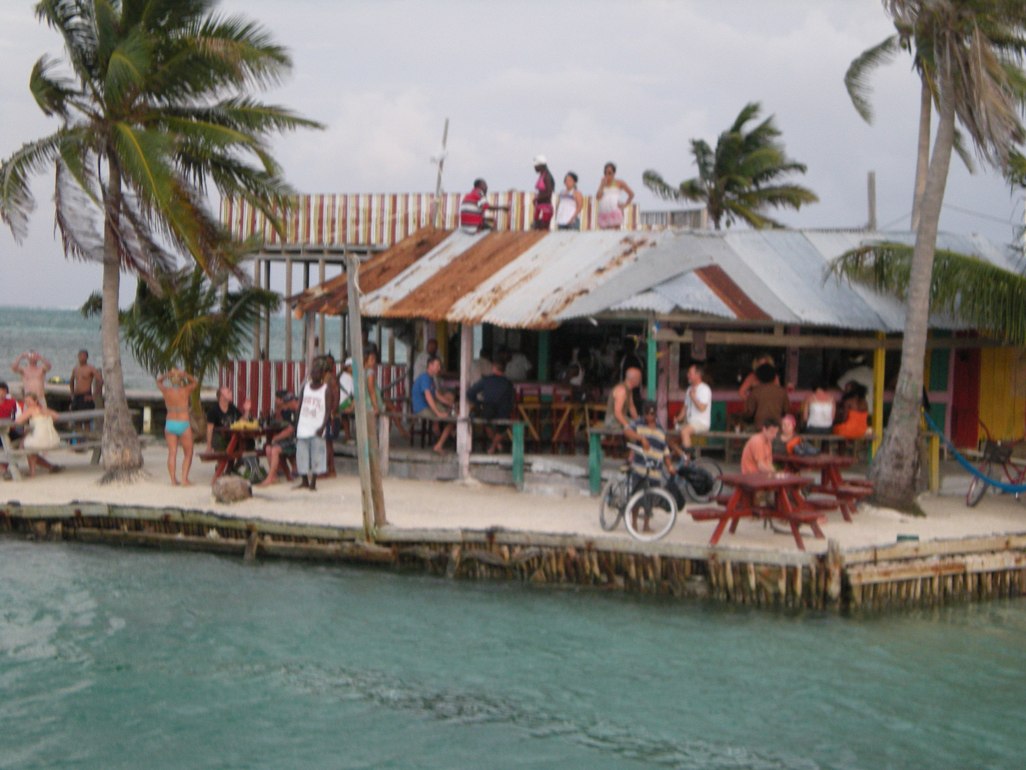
(856, 80)
(980, 294)
(976, 47)
(740, 179)
(155, 111)
(191, 323)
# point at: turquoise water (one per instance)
(60, 334)
(113, 658)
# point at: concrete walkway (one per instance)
(413, 504)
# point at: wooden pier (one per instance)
(902, 575)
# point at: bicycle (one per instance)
(648, 504)
(995, 453)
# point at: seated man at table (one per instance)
(696, 416)
(221, 415)
(650, 434)
(282, 445)
(492, 398)
(757, 456)
(427, 404)
(620, 408)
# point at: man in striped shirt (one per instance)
(474, 209)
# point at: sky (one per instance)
(632, 81)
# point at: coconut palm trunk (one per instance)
(894, 468)
(122, 455)
(922, 152)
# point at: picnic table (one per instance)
(786, 504)
(79, 440)
(236, 449)
(847, 492)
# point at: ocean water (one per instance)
(60, 334)
(115, 658)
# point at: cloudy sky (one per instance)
(582, 82)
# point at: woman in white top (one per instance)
(43, 434)
(568, 208)
(610, 199)
(818, 411)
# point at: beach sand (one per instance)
(453, 505)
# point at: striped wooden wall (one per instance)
(383, 219)
(1003, 391)
(258, 381)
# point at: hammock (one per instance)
(1004, 487)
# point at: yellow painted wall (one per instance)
(1003, 391)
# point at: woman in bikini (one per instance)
(176, 386)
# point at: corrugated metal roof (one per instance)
(539, 280)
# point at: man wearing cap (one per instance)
(282, 443)
(647, 431)
(545, 186)
(474, 209)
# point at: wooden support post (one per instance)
(463, 435)
(879, 359)
(366, 462)
(652, 361)
(595, 463)
(256, 324)
(935, 480)
(288, 313)
(266, 352)
(544, 340)
(310, 350)
(320, 276)
(517, 450)
(384, 439)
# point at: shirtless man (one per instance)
(33, 374)
(620, 409)
(178, 429)
(85, 381)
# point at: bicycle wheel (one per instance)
(650, 514)
(614, 497)
(978, 487)
(713, 469)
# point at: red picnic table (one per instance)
(239, 439)
(847, 492)
(786, 503)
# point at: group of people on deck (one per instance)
(767, 408)
(33, 419)
(613, 197)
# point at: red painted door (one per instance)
(965, 400)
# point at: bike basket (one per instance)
(996, 452)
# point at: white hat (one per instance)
(349, 362)
(539, 160)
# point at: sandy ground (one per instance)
(444, 505)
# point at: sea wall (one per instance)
(903, 575)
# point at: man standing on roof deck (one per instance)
(474, 209)
(33, 374)
(545, 186)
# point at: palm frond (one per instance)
(16, 199)
(856, 79)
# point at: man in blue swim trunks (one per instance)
(176, 386)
